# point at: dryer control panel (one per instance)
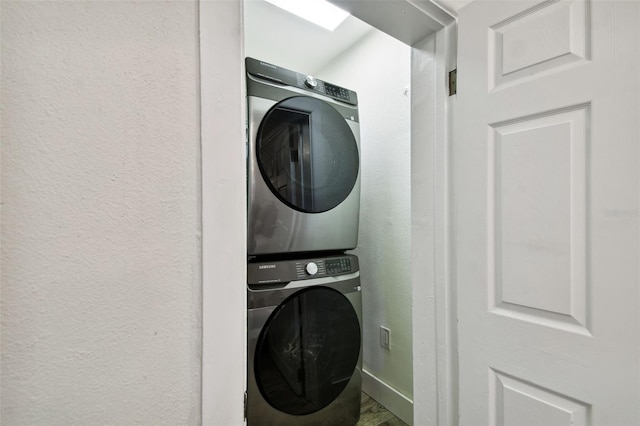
(283, 271)
(279, 75)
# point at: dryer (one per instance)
(304, 363)
(303, 163)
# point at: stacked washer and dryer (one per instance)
(303, 290)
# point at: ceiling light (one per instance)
(320, 12)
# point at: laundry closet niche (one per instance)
(376, 66)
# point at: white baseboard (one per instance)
(387, 396)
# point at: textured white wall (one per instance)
(378, 69)
(101, 284)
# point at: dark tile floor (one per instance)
(374, 414)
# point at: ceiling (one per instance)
(283, 39)
(278, 37)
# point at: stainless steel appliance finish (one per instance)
(303, 163)
(304, 342)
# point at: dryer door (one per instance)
(307, 154)
(307, 351)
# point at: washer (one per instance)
(303, 163)
(304, 363)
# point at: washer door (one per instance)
(307, 154)
(307, 351)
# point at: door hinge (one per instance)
(453, 81)
(245, 405)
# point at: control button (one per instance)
(311, 268)
(311, 82)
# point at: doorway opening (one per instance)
(431, 33)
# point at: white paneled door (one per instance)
(546, 190)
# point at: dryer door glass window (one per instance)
(307, 154)
(307, 351)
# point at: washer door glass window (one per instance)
(307, 351)
(307, 154)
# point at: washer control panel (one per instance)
(338, 266)
(323, 267)
(282, 271)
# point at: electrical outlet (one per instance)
(385, 337)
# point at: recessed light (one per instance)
(319, 12)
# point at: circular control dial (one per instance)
(311, 268)
(311, 82)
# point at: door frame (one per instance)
(431, 32)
